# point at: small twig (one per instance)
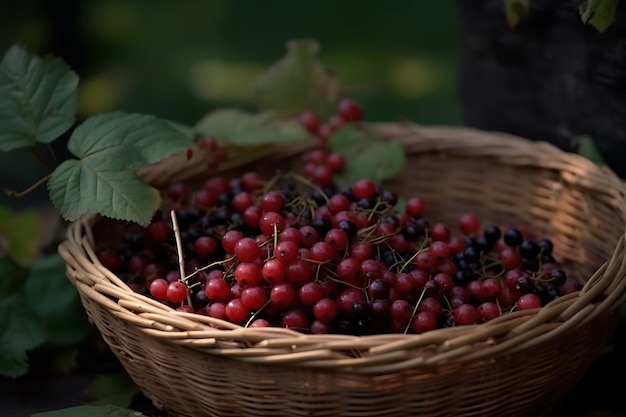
(13, 193)
(179, 250)
(408, 325)
(422, 247)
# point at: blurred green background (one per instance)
(182, 59)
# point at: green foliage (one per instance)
(115, 389)
(367, 154)
(91, 411)
(56, 302)
(12, 276)
(586, 147)
(38, 99)
(599, 13)
(20, 331)
(38, 103)
(244, 129)
(38, 306)
(297, 82)
(19, 235)
(111, 147)
(515, 11)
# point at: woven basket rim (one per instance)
(602, 294)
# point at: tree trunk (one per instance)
(551, 78)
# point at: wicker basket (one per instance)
(520, 364)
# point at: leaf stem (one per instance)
(13, 193)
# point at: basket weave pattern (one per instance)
(519, 364)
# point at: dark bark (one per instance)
(551, 78)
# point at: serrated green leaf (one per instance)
(297, 82)
(368, 156)
(131, 138)
(514, 11)
(12, 276)
(38, 99)
(188, 131)
(116, 389)
(91, 411)
(21, 330)
(245, 129)
(57, 303)
(378, 161)
(19, 234)
(599, 13)
(76, 188)
(586, 146)
(111, 148)
(349, 138)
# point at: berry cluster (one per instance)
(300, 252)
(347, 111)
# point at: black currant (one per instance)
(471, 254)
(558, 277)
(513, 237)
(529, 249)
(349, 227)
(492, 234)
(546, 246)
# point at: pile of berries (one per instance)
(300, 252)
(305, 254)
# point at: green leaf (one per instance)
(586, 147)
(38, 99)
(12, 276)
(111, 148)
(91, 411)
(368, 156)
(128, 138)
(77, 189)
(21, 330)
(297, 82)
(56, 302)
(599, 13)
(245, 129)
(19, 234)
(188, 131)
(116, 389)
(515, 11)
(400, 204)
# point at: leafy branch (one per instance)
(39, 103)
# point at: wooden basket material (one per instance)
(521, 363)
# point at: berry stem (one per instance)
(179, 251)
(419, 300)
(310, 184)
(423, 246)
(256, 313)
